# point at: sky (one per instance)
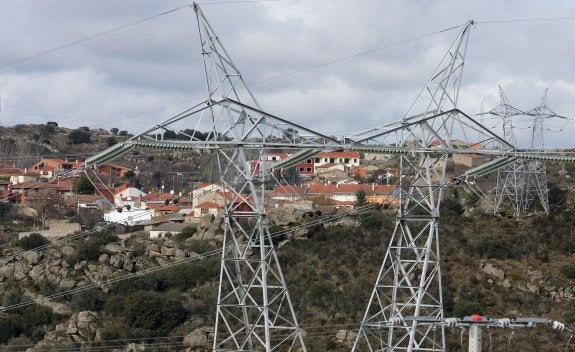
(292, 51)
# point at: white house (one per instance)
(347, 158)
(126, 195)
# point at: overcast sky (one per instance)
(156, 65)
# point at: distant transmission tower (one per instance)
(537, 170)
(511, 178)
(523, 182)
(254, 310)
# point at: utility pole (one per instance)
(474, 339)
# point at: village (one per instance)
(328, 182)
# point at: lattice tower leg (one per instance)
(254, 310)
(408, 288)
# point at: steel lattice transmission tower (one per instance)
(254, 310)
(523, 182)
(407, 294)
(511, 178)
(536, 170)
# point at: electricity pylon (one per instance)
(511, 178)
(523, 182)
(408, 293)
(254, 309)
(537, 170)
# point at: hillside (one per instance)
(494, 266)
(22, 145)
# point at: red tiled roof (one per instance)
(64, 185)
(156, 197)
(285, 189)
(170, 207)
(209, 205)
(53, 164)
(11, 171)
(33, 185)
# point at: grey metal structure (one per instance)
(523, 182)
(254, 308)
(409, 281)
(537, 170)
(511, 178)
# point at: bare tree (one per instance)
(47, 202)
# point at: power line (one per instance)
(272, 78)
(354, 55)
(551, 19)
(93, 36)
(90, 37)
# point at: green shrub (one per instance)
(32, 241)
(90, 248)
(87, 300)
(139, 249)
(153, 312)
(568, 271)
(491, 246)
(8, 328)
(372, 219)
(115, 305)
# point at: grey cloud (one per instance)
(157, 63)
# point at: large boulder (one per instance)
(114, 248)
(32, 257)
(493, 271)
(200, 339)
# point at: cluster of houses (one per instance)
(326, 179)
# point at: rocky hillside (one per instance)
(493, 265)
(22, 145)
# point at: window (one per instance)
(346, 160)
(308, 169)
(204, 211)
(301, 169)
(317, 160)
(332, 160)
(308, 161)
